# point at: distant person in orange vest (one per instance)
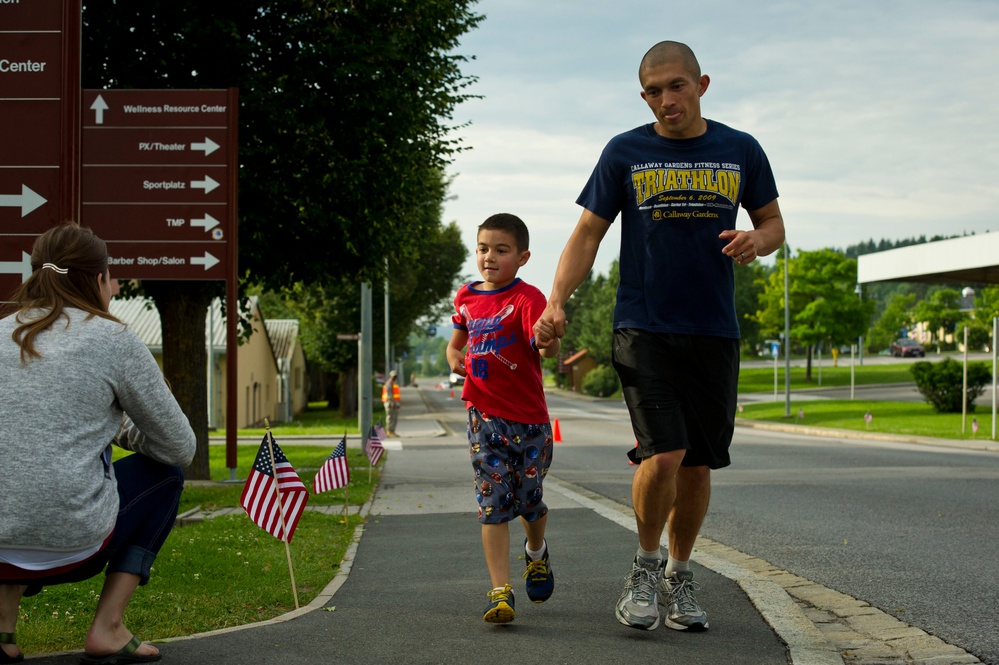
(392, 402)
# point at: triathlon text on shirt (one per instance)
(650, 182)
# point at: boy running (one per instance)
(509, 432)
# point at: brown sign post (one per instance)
(39, 127)
(159, 184)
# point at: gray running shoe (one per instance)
(680, 610)
(638, 606)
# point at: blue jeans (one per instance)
(148, 496)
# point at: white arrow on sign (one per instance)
(207, 184)
(209, 146)
(14, 267)
(207, 260)
(207, 222)
(27, 200)
(100, 106)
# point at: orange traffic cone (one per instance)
(557, 433)
(630, 463)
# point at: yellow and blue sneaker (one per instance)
(500, 607)
(539, 576)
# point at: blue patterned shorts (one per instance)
(510, 461)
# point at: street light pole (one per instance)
(388, 335)
(860, 340)
(364, 415)
(787, 334)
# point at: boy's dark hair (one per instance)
(513, 225)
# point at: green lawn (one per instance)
(318, 418)
(906, 418)
(759, 380)
(220, 572)
(910, 418)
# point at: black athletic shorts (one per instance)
(681, 392)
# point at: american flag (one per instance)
(374, 448)
(259, 499)
(380, 431)
(334, 472)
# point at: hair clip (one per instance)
(52, 266)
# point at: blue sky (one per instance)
(880, 118)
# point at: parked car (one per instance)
(456, 379)
(907, 347)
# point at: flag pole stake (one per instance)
(369, 458)
(284, 525)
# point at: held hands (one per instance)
(742, 246)
(550, 327)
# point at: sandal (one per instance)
(8, 638)
(125, 655)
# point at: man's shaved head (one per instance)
(666, 52)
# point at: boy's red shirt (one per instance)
(502, 365)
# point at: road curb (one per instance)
(832, 433)
(806, 643)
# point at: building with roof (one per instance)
(965, 260)
(271, 377)
(969, 259)
(576, 366)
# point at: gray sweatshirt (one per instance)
(57, 415)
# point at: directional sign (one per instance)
(154, 145)
(181, 260)
(153, 184)
(28, 200)
(158, 167)
(39, 126)
(180, 221)
(15, 263)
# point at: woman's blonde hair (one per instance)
(65, 262)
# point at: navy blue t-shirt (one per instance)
(675, 196)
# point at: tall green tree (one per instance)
(896, 316)
(941, 312)
(749, 285)
(571, 343)
(415, 295)
(824, 306)
(345, 107)
(595, 325)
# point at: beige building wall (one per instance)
(256, 377)
(298, 377)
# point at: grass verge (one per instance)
(317, 418)
(907, 418)
(759, 379)
(218, 573)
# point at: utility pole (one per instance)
(787, 333)
(388, 336)
(364, 364)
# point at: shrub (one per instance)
(601, 381)
(941, 383)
